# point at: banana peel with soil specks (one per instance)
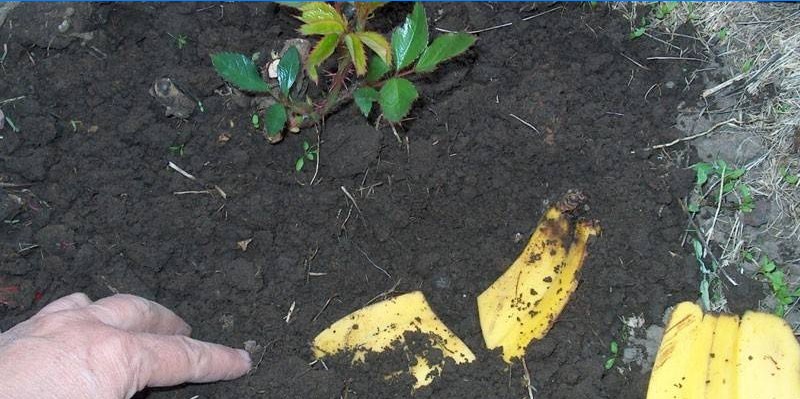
(723, 357)
(383, 325)
(523, 303)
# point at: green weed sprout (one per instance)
(377, 67)
(730, 177)
(613, 354)
(308, 154)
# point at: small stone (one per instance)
(670, 85)
(64, 26)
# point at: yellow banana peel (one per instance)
(381, 326)
(524, 302)
(723, 357)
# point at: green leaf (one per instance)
(735, 174)
(240, 70)
(322, 28)
(364, 97)
(614, 347)
(702, 170)
(298, 165)
(396, 97)
(318, 11)
(356, 49)
(320, 53)
(288, 67)
(378, 44)
(306, 146)
(311, 155)
(274, 119)
(638, 32)
(411, 38)
(693, 207)
(609, 363)
(443, 48)
(376, 69)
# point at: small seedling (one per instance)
(177, 149)
(365, 67)
(180, 41)
(308, 154)
(254, 120)
(747, 66)
(790, 178)
(663, 10)
(640, 30)
(730, 177)
(613, 354)
(784, 296)
(723, 33)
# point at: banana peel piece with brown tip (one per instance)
(524, 302)
(381, 326)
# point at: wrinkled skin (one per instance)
(108, 349)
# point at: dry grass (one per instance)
(759, 49)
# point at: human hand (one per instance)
(108, 349)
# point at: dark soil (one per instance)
(441, 213)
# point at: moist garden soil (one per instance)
(444, 212)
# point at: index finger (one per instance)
(172, 360)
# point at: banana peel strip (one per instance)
(704, 356)
(524, 302)
(380, 326)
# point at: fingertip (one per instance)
(246, 357)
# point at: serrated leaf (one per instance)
(239, 70)
(396, 97)
(357, 53)
(274, 119)
(376, 69)
(322, 28)
(316, 11)
(364, 97)
(378, 44)
(288, 67)
(320, 53)
(411, 38)
(321, 19)
(443, 48)
(364, 9)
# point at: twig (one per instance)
(527, 378)
(675, 59)
(11, 100)
(694, 136)
(194, 179)
(719, 205)
(325, 306)
(634, 62)
(316, 168)
(347, 193)
(477, 30)
(530, 17)
(192, 192)
(386, 293)
(526, 123)
(371, 262)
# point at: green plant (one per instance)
(723, 33)
(613, 354)
(177, 149)
(308, 154)
(777, 282)
(789, 177)
(748, 65)
(255, 120)
(379, 78)
(664, 9)
(180, 41)
(639, 30)
(718, 172)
